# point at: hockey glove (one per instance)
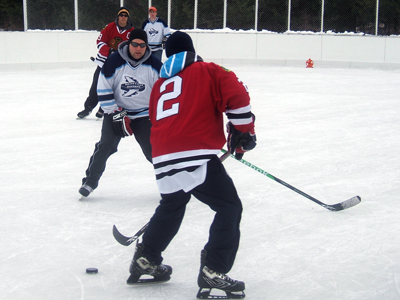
(111, 51)
(164, 40)
(239, 142)
(121, 122)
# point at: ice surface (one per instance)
(332, 133)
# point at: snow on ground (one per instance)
(332, 133)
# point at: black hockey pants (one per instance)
(219, 193)
(108, 145)
(92, 100)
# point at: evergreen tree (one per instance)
(11, 15)
(339, 15)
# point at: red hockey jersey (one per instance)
(110, 37)
(186, 111)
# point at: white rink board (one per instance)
(43, 49)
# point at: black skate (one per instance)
(100, 113)
(85, 190)
(209, 279)
(141, 266)
(84, 113)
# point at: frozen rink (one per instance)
(332, 133)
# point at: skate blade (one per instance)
(90, 119)
(204, 293)
(149, 281)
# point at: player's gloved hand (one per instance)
(121, 122)
(239, 142)
(111, 51)
(164, 40)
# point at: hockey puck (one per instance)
(92, 270)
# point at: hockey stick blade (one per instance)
(343, 205)
(125, 240)
(335, 207)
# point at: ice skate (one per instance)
(84, 113)
(85, 190)
(140, 266)
(209, 279)
(100, 113)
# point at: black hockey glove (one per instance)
(121, 123)
(164, 40)
(111, 51)
(239, 142)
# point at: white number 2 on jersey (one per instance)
(177, 90)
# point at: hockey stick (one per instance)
(125, 240)
(335, 207)
(224, 156)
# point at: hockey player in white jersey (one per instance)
(124, 88)
(157, 32)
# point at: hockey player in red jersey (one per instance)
(107, 42)
(186, 110)
(112, 35)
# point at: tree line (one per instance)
(339, 15)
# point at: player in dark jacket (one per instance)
(186, 110)
(109, 38)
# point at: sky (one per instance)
(332, 133)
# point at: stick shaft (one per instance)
(339, 206)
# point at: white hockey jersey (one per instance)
(126, 83)
(156, 31)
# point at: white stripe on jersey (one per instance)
(184, 154)
(177, 164)
(183, 180)
(180, 165)
(242, 110)
(241, 121)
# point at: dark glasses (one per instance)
(142, 45)
(123, 15)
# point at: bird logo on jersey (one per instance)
(153, 32)
(115, 42)
(132, 87)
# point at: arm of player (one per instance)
(240, 128)
(102, 46)
(239, 142)
(105, 93)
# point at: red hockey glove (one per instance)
(239, 142)
(121, 122)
